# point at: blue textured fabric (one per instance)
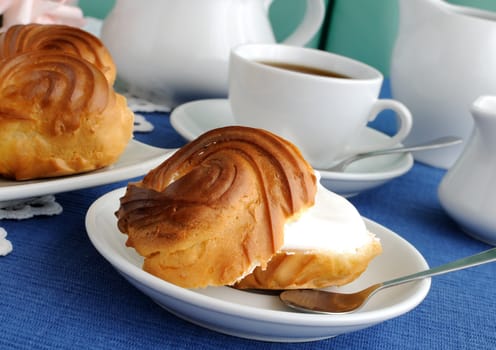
(57, 292)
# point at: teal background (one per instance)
(362, 29)
(366, 29)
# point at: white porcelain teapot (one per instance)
(173, 51)
(468, 190)
(443, 59)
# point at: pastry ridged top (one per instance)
(71, 40)
(235, 186)
(63, 86)
(59, 113)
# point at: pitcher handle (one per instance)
(310, 24)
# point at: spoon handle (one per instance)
(437, 143)
(433, 144)
(470, 261)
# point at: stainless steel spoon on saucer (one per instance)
(433, 144)
(319, 301)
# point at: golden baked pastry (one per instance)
(70, 40)
(58, 115)
(216, 209)
(329, 245)
(311, 269)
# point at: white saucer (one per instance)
(137, 159)
(192, 119)
(257, 316)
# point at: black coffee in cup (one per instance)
(305, 69)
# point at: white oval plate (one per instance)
(257, 316)
(137, 160)
(192, 119)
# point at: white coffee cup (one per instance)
(321, 115)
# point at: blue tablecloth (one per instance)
(57, 292)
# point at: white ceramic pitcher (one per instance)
(443, 59)
(173, 51)
(468, 190)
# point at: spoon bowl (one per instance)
(320, 301)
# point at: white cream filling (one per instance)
(332, 224)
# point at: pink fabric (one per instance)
(41, 11)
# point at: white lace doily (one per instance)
(21, 209)
(138, 104)
(5, 245)
(141, 124)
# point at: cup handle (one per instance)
(310, 24)
(403, 116)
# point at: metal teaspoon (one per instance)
(433, 144)
(319, 301)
